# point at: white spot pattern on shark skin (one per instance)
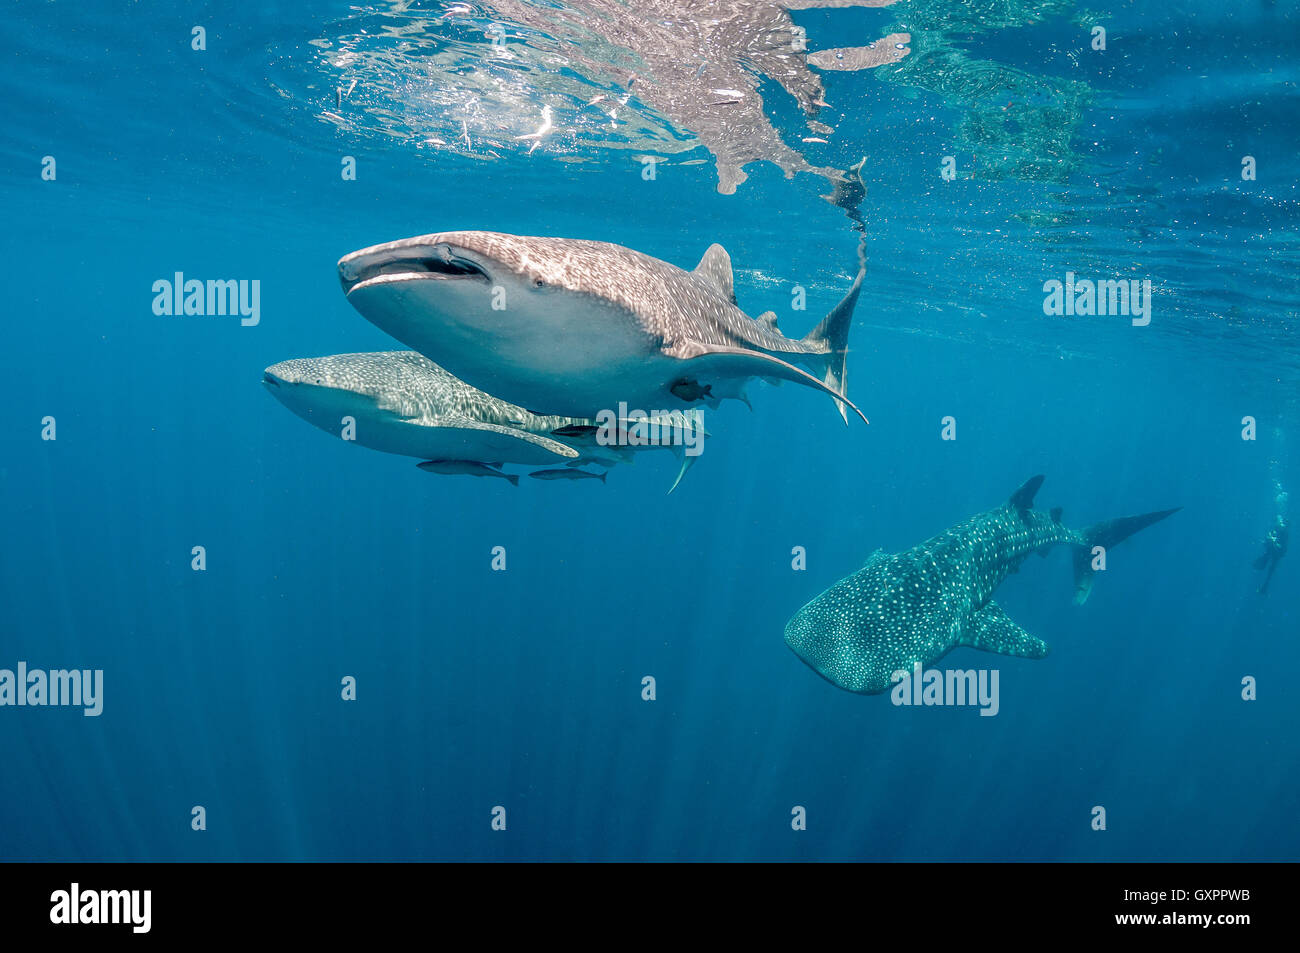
(917, 605)
(414, 387)
(406, 404)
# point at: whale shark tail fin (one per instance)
(1106, 534)
(833, 333)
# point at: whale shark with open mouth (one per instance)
(570, 327)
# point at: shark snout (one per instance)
(414, 259)
(271, 380)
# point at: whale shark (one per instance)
(572, 327)
(403, 403)
(916, 606)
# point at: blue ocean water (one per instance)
(523, 688)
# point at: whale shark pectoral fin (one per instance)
(506, 439)
(722, 361)
(991, 630)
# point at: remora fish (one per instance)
(916, 606)
(571, 327)
(677, 431)
(567, 475)
(466, 468)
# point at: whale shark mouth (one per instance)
(385, 265)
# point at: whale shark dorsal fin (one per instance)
(991, 630)
(1023, 498)
(715, 268)
(1056, 513)
(768, 320)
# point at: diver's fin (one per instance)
(1107, 534)
(991, 630)
(715, 269)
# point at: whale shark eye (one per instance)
(538, 283)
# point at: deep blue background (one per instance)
(522, 688)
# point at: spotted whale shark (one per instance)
(917, 605)
(572, 327)
(405, 404)
(402, 403)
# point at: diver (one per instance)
(1274, 550)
